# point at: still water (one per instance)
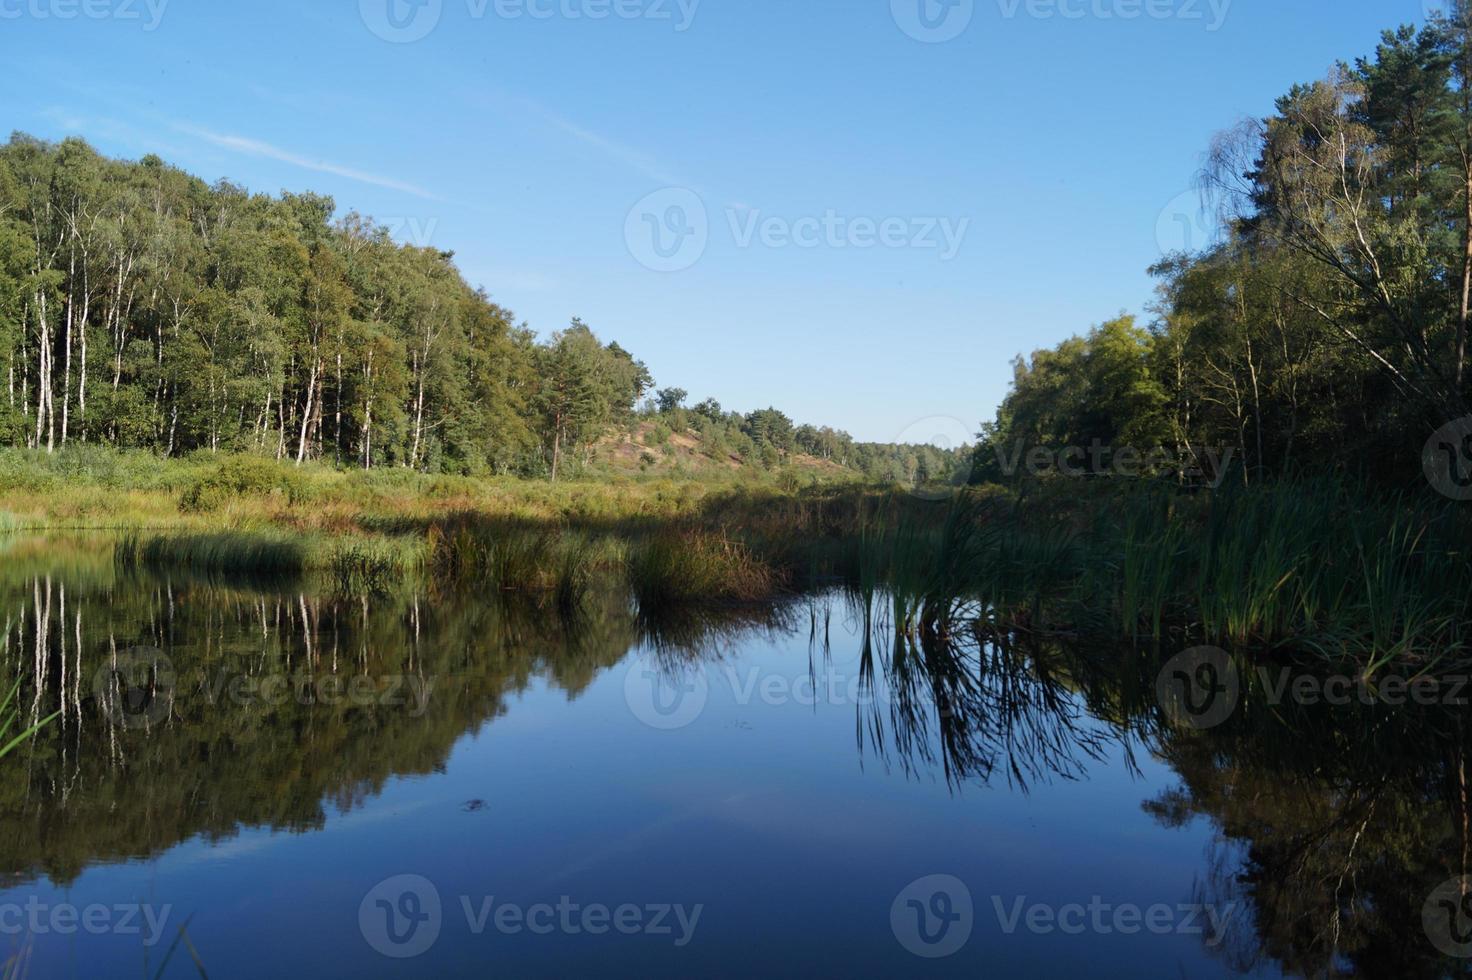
(263, 779)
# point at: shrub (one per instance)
(243, 476)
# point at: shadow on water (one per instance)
(192, 708)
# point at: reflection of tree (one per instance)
(1333, 825)
(87, 790)
(1338, 822)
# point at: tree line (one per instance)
(141, 307)
(1326, 328)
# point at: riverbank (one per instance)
(1319, 568)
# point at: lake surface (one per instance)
(266, 779)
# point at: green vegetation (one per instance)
(672, 567)
(10, 719)
(143, 309)
(298, 395)
(1327, 331)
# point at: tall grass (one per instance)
(684, 566)
(553, 562)
(10, 719)
(231, 551)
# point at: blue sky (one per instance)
(879, 211)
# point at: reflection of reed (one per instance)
(686, 635)
(962, 700)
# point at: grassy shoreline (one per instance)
(1323, 568)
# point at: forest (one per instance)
(144, 309)
(1325, 330)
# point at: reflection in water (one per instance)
(195, 709)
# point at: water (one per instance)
(792, 791)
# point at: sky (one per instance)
(858, 211)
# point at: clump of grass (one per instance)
(362, 568)
(228, 552)
(697, 566)
(509, 557)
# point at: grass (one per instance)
(10, 719)
(684, 566)
(226, 551)
(1331, 568)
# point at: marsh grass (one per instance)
(10, 719)
(692, 566)
(241, 552)
(1329, 567)
(368, 567)
(557, 563)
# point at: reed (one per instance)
(225, 552)
(692, 566)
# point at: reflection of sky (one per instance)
(764, 813)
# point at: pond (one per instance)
(270, 779)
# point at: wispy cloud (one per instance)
(642, 163)
(259, 148)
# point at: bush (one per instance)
(243, 476)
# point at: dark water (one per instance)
(254, 780)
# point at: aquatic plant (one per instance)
(697, 566)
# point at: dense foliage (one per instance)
(142, 308)
(1327, 328)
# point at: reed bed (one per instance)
(1326, 567)
(692, 566)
